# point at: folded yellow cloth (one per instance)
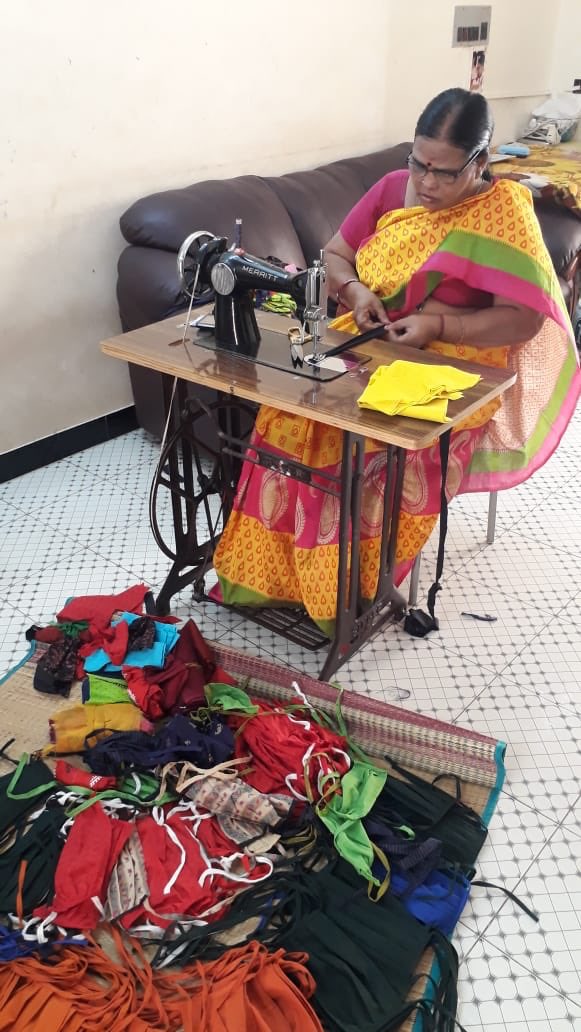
(69, 727)
(416, 390)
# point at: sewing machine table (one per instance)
(242, 385)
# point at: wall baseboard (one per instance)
(67, 442)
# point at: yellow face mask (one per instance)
(416, 390)
(69, 727)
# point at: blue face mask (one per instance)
(437, 902)
(13, 945)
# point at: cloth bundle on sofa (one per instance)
(290, 216)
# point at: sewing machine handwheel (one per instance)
(187, 263)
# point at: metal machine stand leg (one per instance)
(415, 580)
(492, 500)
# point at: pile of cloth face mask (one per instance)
(247, 865)
(415, 389)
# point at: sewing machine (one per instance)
(207, 262)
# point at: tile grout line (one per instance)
(526, 690)
(506, 900)
(573, 807)
(532, 974)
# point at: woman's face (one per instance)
(443, 175)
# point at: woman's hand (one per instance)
(416, 330)
(368, 310)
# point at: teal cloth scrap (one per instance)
(166, 638)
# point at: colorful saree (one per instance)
(280, 545)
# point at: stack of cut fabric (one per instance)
(285, 879)
(415, 389)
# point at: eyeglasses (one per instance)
(443, 175)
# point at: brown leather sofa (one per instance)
(290, 217)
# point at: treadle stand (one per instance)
(202, 458)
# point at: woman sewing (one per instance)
(439, 257)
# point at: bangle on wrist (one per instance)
(440, 334)
(339, 291)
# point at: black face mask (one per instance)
(178, 739)
(30, 849)
(432, 813)
(38, 847)
(23, 790)
(414, 858)
(363, 955)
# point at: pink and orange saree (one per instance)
(280, 545)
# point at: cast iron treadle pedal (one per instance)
(293, 623)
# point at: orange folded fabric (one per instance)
(83, 990)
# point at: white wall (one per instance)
(103, 103)
(567, 48)
(421, 61)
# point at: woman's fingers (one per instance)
(368, 310)
(407, 331)
(365, 323)
(377, 311)
(399, 330)
(368, 315)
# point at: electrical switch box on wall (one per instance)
(471, 26)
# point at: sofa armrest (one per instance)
(148, 288)
(164, 220)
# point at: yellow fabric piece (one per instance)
(69, 727)
(416, 390)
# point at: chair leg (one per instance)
(491, 529)
(415, 580)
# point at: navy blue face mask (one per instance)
(178, 739)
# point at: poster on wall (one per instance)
(477, 71)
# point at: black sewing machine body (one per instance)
(234, 276)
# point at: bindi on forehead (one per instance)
(438, 153)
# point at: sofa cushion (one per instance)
(371, 167)
(165, 219)
(567, 291)
(319, 199)
(317, 202)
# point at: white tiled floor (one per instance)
(81, 525)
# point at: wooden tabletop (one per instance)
(333, 402)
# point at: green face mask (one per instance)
(106, 689)
(229, 698)
(343, 814)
